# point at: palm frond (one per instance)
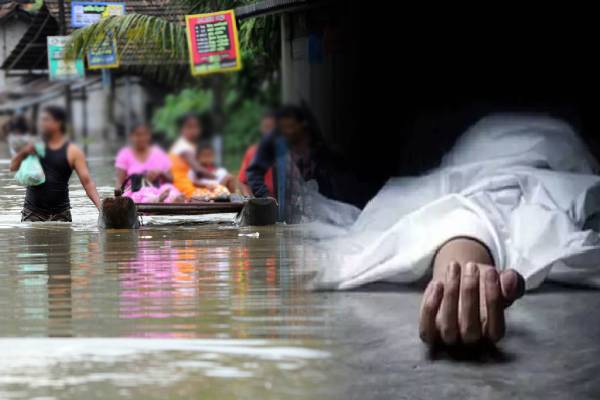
(158, 47)
(142, 38)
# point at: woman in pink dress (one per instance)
(144, 170)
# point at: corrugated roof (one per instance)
(30, 52)
(269, 7)
(37, 91)
(14, 8)
(172, 11)
(7, 9)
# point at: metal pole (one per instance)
(62, 24)
(108, 91)
(61, 17)
(218, 118)
(84, 118)
(128, 121)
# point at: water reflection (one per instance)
(186, 306)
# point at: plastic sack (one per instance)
(30, 172)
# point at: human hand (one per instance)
(468, 304)
(153, 175)
(28, 149)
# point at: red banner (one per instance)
(213, 42)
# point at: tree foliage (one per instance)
(160, 46)
(164, 42)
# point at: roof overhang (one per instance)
(39, 91)
(14, 9)
(267, 7)
(30, 51)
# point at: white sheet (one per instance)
(523, 185)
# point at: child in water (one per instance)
(223, 183)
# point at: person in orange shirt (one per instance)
(267, 125)
(183, 160)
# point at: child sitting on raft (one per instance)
(223, 182)
(184, 163)
(144, 170)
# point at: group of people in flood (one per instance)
(188, 171)
(147, 173)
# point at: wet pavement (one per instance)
(195, 308)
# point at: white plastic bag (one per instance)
(30, 172)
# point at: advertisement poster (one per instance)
(213, 42)
(59, 68)
(84, 13)
(104, 55)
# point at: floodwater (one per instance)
(173, 310)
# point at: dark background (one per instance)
(421, 77)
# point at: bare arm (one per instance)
(199, 169)
(121, 176)
(159, 175)
(16, 161)
(79, 163)
(246, 191)
(167, 176)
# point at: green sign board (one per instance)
(59, 68)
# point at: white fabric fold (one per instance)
(522, 185)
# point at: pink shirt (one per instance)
(157, 160)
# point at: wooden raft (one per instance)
(189, 208)
(122, 213)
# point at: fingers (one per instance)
(512, 285)
(429, 308)
(494, 323)
(468, 317)
(448, 318)
(469, 304)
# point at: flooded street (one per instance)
(182, 310)
(173, 310)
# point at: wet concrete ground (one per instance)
(551, 350)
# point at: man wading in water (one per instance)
(50, 201)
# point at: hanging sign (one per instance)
(84, 13)
(213, 42)
(59, 68)
(104, 55)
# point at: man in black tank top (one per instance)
(50, 200)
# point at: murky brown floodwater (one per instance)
(173, 310)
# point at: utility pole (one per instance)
(68, 95)
(218, 119)
(84, 118)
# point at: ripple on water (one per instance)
(182, 308)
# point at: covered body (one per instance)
(522, 185)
